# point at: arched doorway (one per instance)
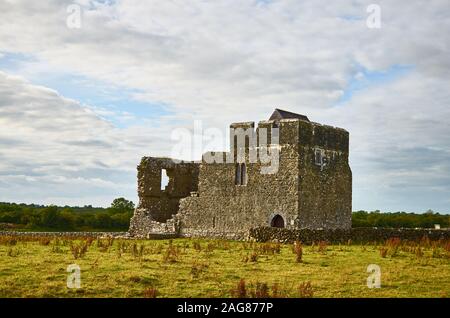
(277, 221)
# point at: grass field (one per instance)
(212, 268)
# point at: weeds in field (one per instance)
(276, 292)
(419, 252)
(8, 240)
(122, 248)
(241, 290)
(210, 248)
(151, 292)
(447, 246)
(185, 247)
(393, 246)
(137, 250)
(13, 252)
(298, 251)
(267, 248)
(79, 250)
(103, 244)
(323, 246)
(197, 246)
(261, 291)
(172, 253)
(253, 257)
(222, 244)
(383, 252)
(248, 245)
(425, 242)
(435, 253)
(44, 241)
(56, 246)
(135, 279)
(197, 269)
(305, 290)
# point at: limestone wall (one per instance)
(225, 209)
(158, 205)
(63, 234)
(205, 199)
(357, 235)
(325, 190)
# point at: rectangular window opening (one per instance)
(318, 157)
(164, 179)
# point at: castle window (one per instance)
(164, 179)
(318, 157)
(240, 174)
(243, 174)
(237, 176)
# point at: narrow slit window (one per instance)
(240, 174)
(237, 177)
(243, 174)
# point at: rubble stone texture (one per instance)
(312, 188)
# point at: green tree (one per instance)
(102, 221)
(66, 219)
(122, 204)
(49, 216)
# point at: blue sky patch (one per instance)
(115, 104)
(363, 78)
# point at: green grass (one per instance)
(182, 269)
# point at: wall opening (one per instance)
(243, 174)
(237, 176)
(277, 221)
(164, 179)
(240, 177)
(318, 157)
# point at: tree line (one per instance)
(400, 219)
(53, 218)
(117, 218)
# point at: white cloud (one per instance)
(54, 146)
(222, 61)
(400, 143)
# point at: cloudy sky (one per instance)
(80, 104)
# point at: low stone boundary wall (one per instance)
(63, 234)
(264, 234)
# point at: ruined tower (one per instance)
(307, 183)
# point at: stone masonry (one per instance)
(310, 189)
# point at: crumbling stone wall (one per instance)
(157, 206)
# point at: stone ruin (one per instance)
(310, 189)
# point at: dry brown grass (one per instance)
(305, 290)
